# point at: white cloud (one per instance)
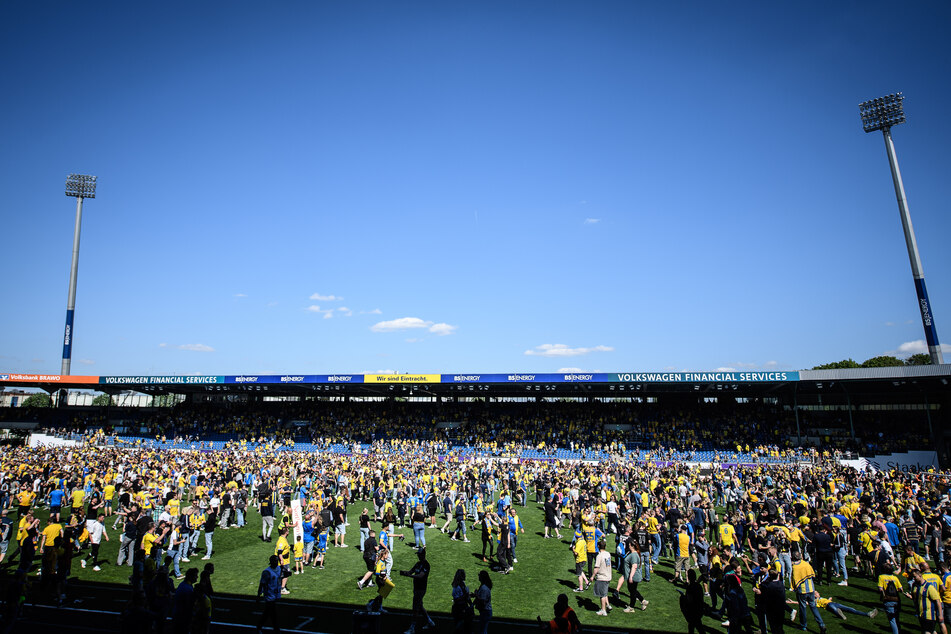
(413, 340)
(592, 221)
(561, 350)
(403, 323)
(568, 370)
(345, 311)
(918, 347)
(889, 323)
(317, 297)
(196, 347)
(163, 345)
(410, 323)
(328, 313)
(375, 311)
(240, 295)
(725, 369)
(771, 364)
(442, 329)
(87, 362)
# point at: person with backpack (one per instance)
(889, 587)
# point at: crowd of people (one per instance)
(501, 427)
(785, 534)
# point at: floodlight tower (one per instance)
(79, 186)
(882, 114)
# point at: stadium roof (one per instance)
(884, 384)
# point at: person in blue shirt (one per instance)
(321, 548)
(893, 534)
(308, 528)
(515, 525)
(270, 589)
(56, 502)
(504, 502)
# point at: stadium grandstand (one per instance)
(702, 416)
(566, 481)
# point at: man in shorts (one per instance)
(340, 526)
(602, 577)
(682, 549)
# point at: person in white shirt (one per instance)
(97, 531)
(602, 577)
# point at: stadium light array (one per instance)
(81, 186)
(881, 114)
(78, 186)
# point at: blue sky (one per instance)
(469, 186)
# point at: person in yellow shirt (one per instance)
(727, 536)
(803, 577)
(283, 551)
(175, 506)
(49, 534)
(196, 522)
(839, 609)
(927, 604)
(682, 561)
(912, 561)
(108, 496)
(653, 532)
(580, 550)
(590, 535)
(25, 498)
(149, 539)
(945, 588)
(298, 555)
(77, 497)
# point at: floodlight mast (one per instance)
(79, 186)
(882, 114)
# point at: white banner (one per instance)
(42, 440)
(907, 461)
(297, 518)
